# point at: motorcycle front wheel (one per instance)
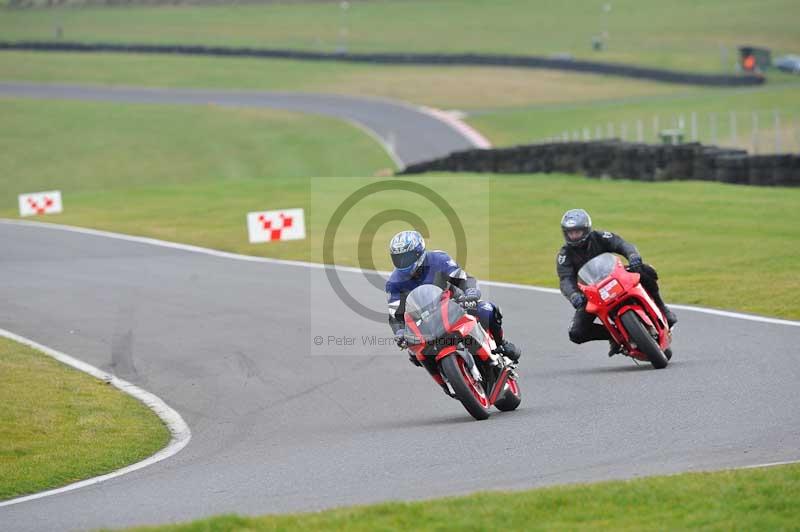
(469, 391)
(644, 342)
(510, 398)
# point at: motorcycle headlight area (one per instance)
(610, 290)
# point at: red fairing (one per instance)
(447, 350)
(618, 293)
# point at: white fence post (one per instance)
(712, 122)
(639, 131)
(693, 118)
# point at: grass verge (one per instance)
(58, 425)
(755, 499)
(677, 34)
(94, 147)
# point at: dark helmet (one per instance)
(407, 250)
(576, 220)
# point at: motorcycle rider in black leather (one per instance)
(583, 244)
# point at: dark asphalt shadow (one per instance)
(632, 368)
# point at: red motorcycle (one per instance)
(457, 351)
(635, 322)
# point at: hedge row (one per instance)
(625, 160)
(517, 61)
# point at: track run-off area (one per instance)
(277, 426)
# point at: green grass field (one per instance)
(99, 147)
(191, 174)
(678, 34)
(756, 499)
(59, 425)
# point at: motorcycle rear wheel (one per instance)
(467, 390)
(646, 343)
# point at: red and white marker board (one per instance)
(40, 203)
(269, 226)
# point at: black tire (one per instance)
(643, 340)
(508, 400)
(668, 353)
(452, 366)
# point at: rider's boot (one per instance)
(614, 348)
(510, 350)
(672, 319)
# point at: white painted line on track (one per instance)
(350, 269)
(771, 464)
(388, 146)
(175, 423)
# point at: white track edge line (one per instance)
(770, 464)
(351, 269)
(179, 430)
(388, 147)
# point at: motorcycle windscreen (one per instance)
(597, 269)
(424, 307)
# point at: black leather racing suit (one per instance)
(570, 259)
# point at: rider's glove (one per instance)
(413, 359)
(635, 263)
(470, 298)
(578, 300)
(472, 294)
(400, 338)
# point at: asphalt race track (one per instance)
(410, 133)
(281, 425)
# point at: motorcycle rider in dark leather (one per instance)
(415, 266)
(583, 244)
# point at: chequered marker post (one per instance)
(40, 203)
(269, 226)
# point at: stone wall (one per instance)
(625, 160)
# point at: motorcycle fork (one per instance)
(499, 384)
